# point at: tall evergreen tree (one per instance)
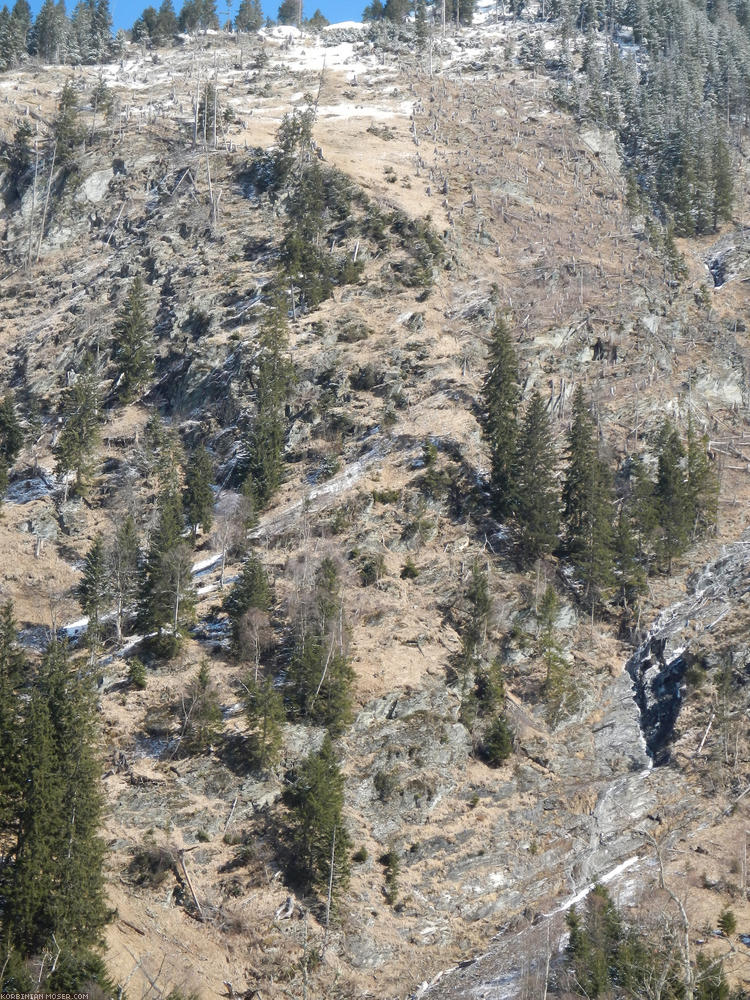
(47, 36)
(27, 921)
(318, 833)
(702, 483)
(133, 344)
(80, 432)
(500, 398)
(11, 439)
(122, 567)
(249, 16)
(201, 713)
(11, 434)
(67, 131)
(198, 500)
(94, 589)
(673, 508)
(251, 590)
(289, 12)
(55, 895)
(264, 710)
(722, 194)
(166, 22)
(535, 494)
(272, 381)
(320, 675)
(167, 597)
(587, 504)
(629, 575)
(420, 24)
(13, 668)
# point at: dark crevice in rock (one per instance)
(657, 691)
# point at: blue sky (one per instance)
(124, 12)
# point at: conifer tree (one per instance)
(722, 200)
(12, 670)
(133, 344)
(587, 504)
(558, 690)
(500, 398)
(473, 638)
(198, 499)
(673, 509)
(201, 713)
(249, 16)
(122, 567)
(420, 24)
(166, 21)
(11, 433)
(644, 508)
(535, 493)
(93, 590)
(272, 381)
(55, 885)
(498, 741)
(80, 432)
(316, 802)
(702, 483)
(66, 126)
(166, 595)
(251, 590)
(320, 675)
(30, 883)
(628, 572)
(264, 709)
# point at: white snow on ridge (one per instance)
(608, 877)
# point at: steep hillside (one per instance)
(446, 200)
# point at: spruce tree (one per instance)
(702, 483)
(249, 16)
(133, 344)
(167, 598)
(587, 504)
(673, 509)
(420, 24)
(55, 886)
(644, 509)
(320, 675)
(473, 639)
(13, 668)
(30, 884)
(201, 713)
(629, 575)
(11, 434)
(317, 831)
(498, 741)
(93, 590)
(79, 905)
(535, 492)
(80, 432)
(66, 126)
(166, 21)
(198, 500)
(251, 590)
(264, 710)
(272, 380)
(500, 398)
(722, 200)
(122, 567)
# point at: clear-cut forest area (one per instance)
(375, 467)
